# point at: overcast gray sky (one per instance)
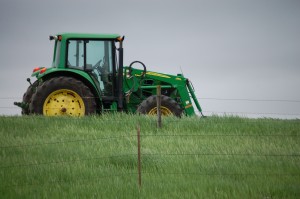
(230, 49)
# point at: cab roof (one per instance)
(88, 36)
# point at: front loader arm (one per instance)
(187, 94)
(192, 92)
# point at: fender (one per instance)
(42, 74)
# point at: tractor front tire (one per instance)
(28, 96)
(168, 106)
(62, 95)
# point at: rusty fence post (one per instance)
(139, 156)
(158, 100)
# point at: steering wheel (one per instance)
(143, 73)
(97, 65)
(135, 83)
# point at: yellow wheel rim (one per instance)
(164, 111)
(64, 102)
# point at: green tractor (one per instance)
(88, 77)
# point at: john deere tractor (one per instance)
(88, 77)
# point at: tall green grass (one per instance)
(191, 157)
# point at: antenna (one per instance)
(181, 70)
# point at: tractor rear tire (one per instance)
(168, 106)
(63, 96)
(28, 96)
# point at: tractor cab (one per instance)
(93, 54)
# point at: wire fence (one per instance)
(202, 98)
(213, 112)
(276, 114)
(232, 156)
(144, 155)
(249, 99)
(34, 145)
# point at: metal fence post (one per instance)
(158, 100)
(139, 156)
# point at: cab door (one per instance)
(99, 58)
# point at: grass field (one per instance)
(96, 157)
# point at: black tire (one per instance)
(63, 87)
(168, 106)
(28, 96)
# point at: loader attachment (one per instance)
(192, 93)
